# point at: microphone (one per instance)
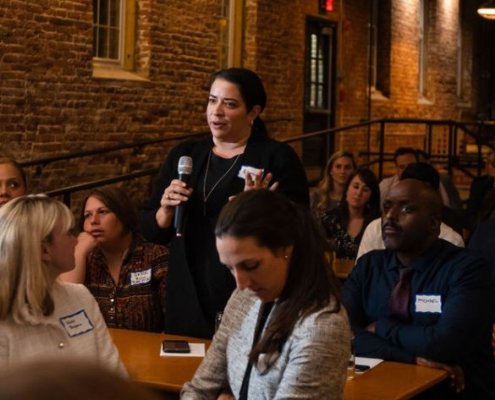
(184, 169)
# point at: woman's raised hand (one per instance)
(258, 181)
(85, 243)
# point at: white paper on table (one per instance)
(197, 350)
(370, 362)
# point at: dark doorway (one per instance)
(319, 89)
(485, 61)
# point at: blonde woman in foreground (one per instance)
(40, 317)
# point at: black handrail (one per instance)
(107, 149)
(67, 191)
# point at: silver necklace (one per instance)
(206, 196)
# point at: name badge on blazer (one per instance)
(428, 303)
(76, 324)
(140, 277)
(246, 169)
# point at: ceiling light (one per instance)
(487, 9)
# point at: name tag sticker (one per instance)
(141, 277)
(428, 303)
(77, 324)
(246, 169)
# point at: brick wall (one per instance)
(50, 103)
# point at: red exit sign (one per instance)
(326, 5)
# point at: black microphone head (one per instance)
(185, 165)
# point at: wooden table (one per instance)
(140, 353)
(392, 381)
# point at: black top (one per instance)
(262, 318)
(344, 245)
(198, 284)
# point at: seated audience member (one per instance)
(66, 379)
(372, 237)
(12, 180)
(403, 156)
(287, 298)
(481, 187)
(126, 274)
(423, 300)
(328, 194)
(344, 225)
(448, 191)
(41, 318)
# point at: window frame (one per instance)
(231, 23)
(103, 67)
(317, 75)
(423, 47)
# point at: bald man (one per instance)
(445, 316)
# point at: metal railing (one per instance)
(476, 131)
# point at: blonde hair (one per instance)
(326, 184)
(25, 285)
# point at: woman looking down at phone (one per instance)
(41, 318)
(284, 333)
(238, 156)
(126, 274)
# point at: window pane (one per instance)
(103, 12)
(313, 46)
(95, 11)
(313, 71)
(114, 16)
(312, 95)
(321, 77)
(95, 41)
(102, 42)
(107, 28)
(113, 50)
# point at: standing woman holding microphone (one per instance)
(238, 156)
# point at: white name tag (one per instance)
(141, 277)
(77, 324)
(246, 169)
(428, 303)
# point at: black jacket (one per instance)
(198, 284)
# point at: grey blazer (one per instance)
(312, 364)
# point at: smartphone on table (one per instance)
(175, 346)
(361, 368)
